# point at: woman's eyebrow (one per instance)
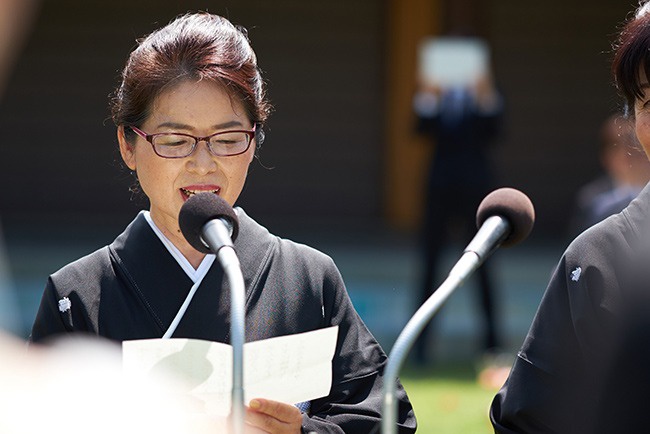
(181, 126)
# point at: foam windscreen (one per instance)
(512, 205)
(199, 210)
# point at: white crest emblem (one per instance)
(575, 274)
(64, 304)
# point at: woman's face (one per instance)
(642, 115)
(198, 108)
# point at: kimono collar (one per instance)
(255, 247)
(195, 274)
(637, 215)
(145, 256)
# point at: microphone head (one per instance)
(514, 206)
(199, 210)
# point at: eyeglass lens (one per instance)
(223, 144)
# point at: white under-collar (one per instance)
(197, 274)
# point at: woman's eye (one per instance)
(641, 104)
(172, 140)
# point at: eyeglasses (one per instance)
(179, 145)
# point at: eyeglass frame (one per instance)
(149, 138)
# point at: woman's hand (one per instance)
(485, 92)
(273, 417)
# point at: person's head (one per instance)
(197, 76)
(631, 70)
(198, 46)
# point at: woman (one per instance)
(189, 115)
(583, 367)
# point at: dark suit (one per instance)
(459, 177)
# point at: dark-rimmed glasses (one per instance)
(180, 145)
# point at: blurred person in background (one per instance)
(16, 17)
(461, 121)
(190, 113)
(583, 367)
(626, 172)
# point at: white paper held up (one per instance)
(290, 369)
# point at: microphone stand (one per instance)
(493, 231)
(232, 270)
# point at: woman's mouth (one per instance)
(187, 193)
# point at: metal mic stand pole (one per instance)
(232, 269)
(491, 233)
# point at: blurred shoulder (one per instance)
(619, 234)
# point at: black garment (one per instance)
(459, 177)
(584, 366)
(133, 288)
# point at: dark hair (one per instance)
(197, 46)
(632, 56)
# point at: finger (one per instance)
(263, 422)
(283, 412)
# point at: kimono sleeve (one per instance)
(48, 322)
(552, 384)
(355, 401)
(70, 301)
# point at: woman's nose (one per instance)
(201, 160)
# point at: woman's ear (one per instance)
(126, 150)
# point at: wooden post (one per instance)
(407, 155)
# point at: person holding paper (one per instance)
(459, 109)
(190, 112)
(584, 364)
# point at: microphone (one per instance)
(208, 222)
(505, 217)
(512, 205)
(210, 225)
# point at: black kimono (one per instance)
(133, 288)
(584, 366)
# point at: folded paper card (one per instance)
(291, 369)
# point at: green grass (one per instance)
(448, 400)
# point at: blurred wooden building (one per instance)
(341, 74)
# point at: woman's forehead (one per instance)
(201, 101)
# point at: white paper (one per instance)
(290, 369)
(453, 61)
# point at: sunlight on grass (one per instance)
(448, 400)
